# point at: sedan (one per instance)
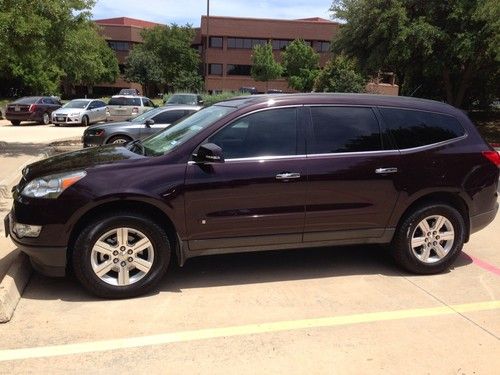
(32, 108)
(139, 127)
(80, 111)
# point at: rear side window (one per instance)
(267, 133)
(343, 129)
(169, 117)
(125, 101)
(412, 128)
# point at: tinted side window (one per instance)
(125, 101)
(169, 117)
(344, 129)
(417, 128)
(267, 133)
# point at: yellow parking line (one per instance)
(251, 329)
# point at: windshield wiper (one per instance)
(139, 145)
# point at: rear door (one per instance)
(353, 175)
(257, 196)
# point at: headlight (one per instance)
(52, 186)
(94, 132)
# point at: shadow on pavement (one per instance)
(15, 149)
(248, 268)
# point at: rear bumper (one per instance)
(481, 221)
(23, 116)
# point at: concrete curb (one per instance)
(12, 286)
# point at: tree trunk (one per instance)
(448, 86)
(464, 85)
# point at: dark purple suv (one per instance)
(32, 108)
(261, 173)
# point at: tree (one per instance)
(340, 75)
(438, 49)
(87, 59)
(264, 66)
(144, 67)
(165, 58)
(43, 42)
(300, 63)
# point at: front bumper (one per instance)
(49, 261)
(65, 119)
(92, 140)
(481, 221)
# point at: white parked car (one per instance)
(80, 111)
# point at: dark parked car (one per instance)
(32, 108)
(261, 173)
(140, 127)
(185, 99)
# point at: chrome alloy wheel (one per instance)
(122, 256)
(432, 239)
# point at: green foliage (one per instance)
(300, 63)
(209, 100)
(340, 75)
(264, 66)
(42, 42)
(166, 58)
(440, 49)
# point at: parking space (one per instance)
(326, 309)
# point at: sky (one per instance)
(190, 11)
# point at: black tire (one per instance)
(15, 122)
(85, 121)
(82, 253)
(119, 139)
(401, 245)
(45, 119)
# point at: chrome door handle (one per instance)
(386, 170)
(287, 176)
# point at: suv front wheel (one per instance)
(429, 239)
(121, 256)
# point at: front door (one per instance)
(353, 175)
(257, 196)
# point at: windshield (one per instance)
(183, 99)
(146, 115)
(77, 104)
(168, 139)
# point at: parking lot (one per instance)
(345, 310)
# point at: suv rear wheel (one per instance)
(121, 255)
(430, 239)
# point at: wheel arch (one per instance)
(124, 135)
(452, 199)
(140, 207)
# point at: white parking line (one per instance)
(251, 329)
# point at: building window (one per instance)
(244, 43)
(215, 42)
(238, 70)
(119, 46)
(320, 46)
(215, 69)
(280, 44)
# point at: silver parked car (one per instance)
(124, 107)
(139, 127)
(80, 111)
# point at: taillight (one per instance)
(492, 156)
(32, 108)
(135, 110)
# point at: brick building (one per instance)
(228, 54)
(121, 34)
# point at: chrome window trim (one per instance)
(433, 145)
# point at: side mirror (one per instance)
(200, 102)
(149, 122)
(209, 153)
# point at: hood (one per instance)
(67, 111)
(78, 160)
